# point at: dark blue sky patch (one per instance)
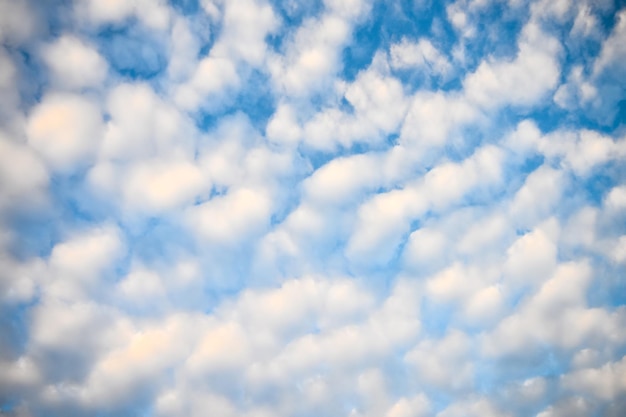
(14, 324)
(133, 53)
(611, 85)
(54, 16)
(155, 239)
(414, 19)
(600, 181)
(607, 16)
(464, 143)
(414, 79)
(206, 121)
(256, 99)
(516, 170)
(186, 7)
(390, 23)
(531, 163)
(366, 41)
(33, 79)
(549, 117)
(537, 360)
(609, 287)
(580, 51)
(206, 31)
(496, 35)
(75, 202)
(292, 14)
(36, 233)
(438, 317)
(317, 158)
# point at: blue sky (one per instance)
(249, 208)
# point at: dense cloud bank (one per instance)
(329, 208)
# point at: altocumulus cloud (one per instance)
(250, 208)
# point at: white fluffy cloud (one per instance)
(246, 24)
(18, 22)
(313, 53)
(153, 13)
(66, 130)
(77, 264)
(580, 151)
(422, 55)
(443, 363)
(613, 50)
(539, 195)
(433, 117)
(605, 382)
(143, 124)
(211, 77)
(576, 91)
(75, 64)
(378, 106)
(22, 173)
(230, 218)
(162, 185)
(557, 314)
(383, 219)
(527, 79)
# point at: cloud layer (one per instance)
(276, 208)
